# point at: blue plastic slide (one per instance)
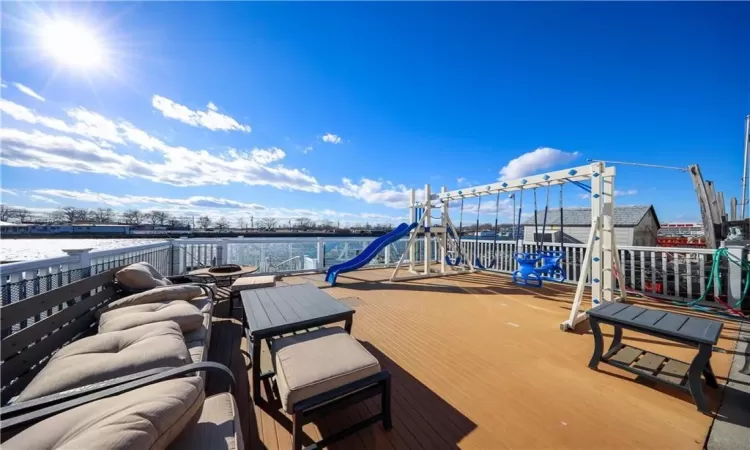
(370, 252)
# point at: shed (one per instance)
(634, 225)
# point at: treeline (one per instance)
(134, 217)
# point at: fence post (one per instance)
(83, 265)
(734, 283)
(387, 254)
(84, 261)
(320, 251)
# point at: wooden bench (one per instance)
(696, 332)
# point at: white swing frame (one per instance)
(601, 263)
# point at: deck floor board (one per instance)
(478, 362)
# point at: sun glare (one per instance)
(72, 45)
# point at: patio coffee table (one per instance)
(271, 312)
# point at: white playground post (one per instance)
(601, 265)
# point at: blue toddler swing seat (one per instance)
(533, 268)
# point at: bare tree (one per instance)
(55, 217)
(222, 223)
(326, 224)
(267, 223)
(204, 222)
(102, 215)
(158, 217)
(6, 212)
(73, 214)
(303, 223)
(241, 224)
(22, 214)
(133, 217)
(175, 222)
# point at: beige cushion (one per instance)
(109, 355)
(218, 427)
(161, 294)
(244, 283)
(147, 418)
(184, 314)
(141, 275)
(204, 304)
(198, 341)
(311, 363)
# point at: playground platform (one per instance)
(480, 363)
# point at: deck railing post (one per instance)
(734, 282)
(387, 255)
(320, 252)
(83, 263)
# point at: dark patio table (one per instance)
(271, 312)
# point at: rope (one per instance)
(735, 309)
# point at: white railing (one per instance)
(675, 273)
(678, 273)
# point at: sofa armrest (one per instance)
(27, 413)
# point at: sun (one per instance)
(72, 45)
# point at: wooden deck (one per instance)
(478, 362)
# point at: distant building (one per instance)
(6, 228)
(634, 225)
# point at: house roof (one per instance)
(625, 216)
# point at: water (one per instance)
(28, 249)
(276, 253)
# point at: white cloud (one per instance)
(95, 126)
(619, 193)
(41, 198)
(211, 118)
(28, 91)
(212, 206)
(379, 192)
(307, 149)
(266, 156)
(460, 180)
(91, 144)
(8, 191)
(331, 138)
(536, 161)
(24, 114)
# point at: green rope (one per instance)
(714, 275)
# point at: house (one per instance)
(634, 225)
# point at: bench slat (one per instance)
(701, 328)
(674, 371)
(626, 355)
(650, 362)
(629, 313)
(671, 323)
(650, 317)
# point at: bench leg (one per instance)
(598, 343)
(697, 367)
(708, 373)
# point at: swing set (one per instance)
(443, 241)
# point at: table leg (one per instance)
(698, 366)
(348, 325)
(598, 343)
(256, 344)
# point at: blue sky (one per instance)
(334, 110)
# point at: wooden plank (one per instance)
(674, 371)
(16, 366)
(270, 308)
(284, 306)
(446, 389)
(17, 341)
(649, 362)
(16, 312)
(626, 355)
(256, 316)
